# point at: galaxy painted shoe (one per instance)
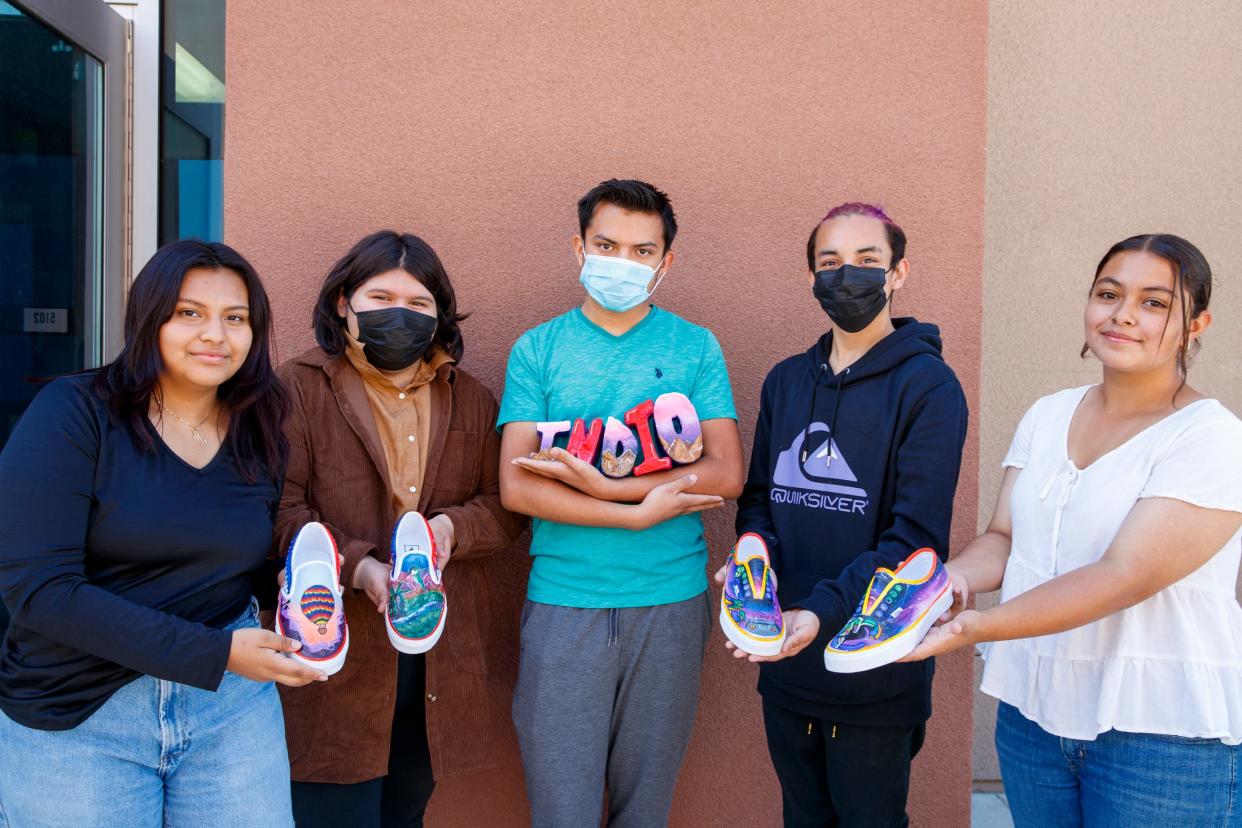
(895, 613)
(749, 613)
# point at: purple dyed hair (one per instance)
(896, 236)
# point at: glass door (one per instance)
(62, 87)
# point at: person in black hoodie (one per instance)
(856, 458)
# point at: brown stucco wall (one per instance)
(1105, 120)
(480, 129)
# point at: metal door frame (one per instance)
(94, 27)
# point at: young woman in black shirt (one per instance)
(136, 507)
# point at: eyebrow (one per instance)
(603, 238)
(871, 249)
(426, 296)
(1111, 281)
(187, 301)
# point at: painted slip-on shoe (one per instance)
(893, 616)
(310, 608)
(749, 613)
(417, 608)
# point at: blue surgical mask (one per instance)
(616, 283)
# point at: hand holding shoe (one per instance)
(801, 627)
(371, 577)
(259, 655)
(445, 536)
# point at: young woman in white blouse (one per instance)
(1115, 542)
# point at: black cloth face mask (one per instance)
(851, 296)
(394, 338)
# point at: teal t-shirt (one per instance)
(569, 367)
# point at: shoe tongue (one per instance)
(755, 565)
(881, 579)
(318, 573)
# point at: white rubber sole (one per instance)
(413, 524)
(413, 646)
(754, 646)
(328, 667)
(891, 650)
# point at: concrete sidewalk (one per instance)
(989, 810)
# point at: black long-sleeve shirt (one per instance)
(114, 561)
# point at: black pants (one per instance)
(834, 774)
(397, 800)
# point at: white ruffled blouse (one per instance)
(1169, 665)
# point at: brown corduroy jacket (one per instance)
(339, 730)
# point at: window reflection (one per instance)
(192, 90)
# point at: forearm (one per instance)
(982, 562)
(1067, 601)
(68, 609)
(482, 526)
(539, 497)
(714, 476)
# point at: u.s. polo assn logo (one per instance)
(822, 481)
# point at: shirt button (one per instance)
(431, 697)
(410, 438)
(401, 396)
(413, 489)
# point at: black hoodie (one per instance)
(833, 513)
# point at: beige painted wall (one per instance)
(1105, 119)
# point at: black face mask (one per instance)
(851, 296)
(394, 338)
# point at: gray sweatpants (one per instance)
(607, 696)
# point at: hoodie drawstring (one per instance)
(810, 415)
(836, 409)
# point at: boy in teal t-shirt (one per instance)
(617, 610)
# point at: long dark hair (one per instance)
(255, 398)
(379, 253)
(1192, 283)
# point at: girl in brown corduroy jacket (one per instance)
(384, 422)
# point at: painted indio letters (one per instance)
(676, 424)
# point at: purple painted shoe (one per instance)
(749, 612)
(892, 618)
(309, 608)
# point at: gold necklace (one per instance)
(193, 428)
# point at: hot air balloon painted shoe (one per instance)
(749, 613)
(417, 608)
(895, 613)
(310, 608)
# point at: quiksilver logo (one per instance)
(825, 471)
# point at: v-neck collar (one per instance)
(616, 338)
(211, 464)
(1117, 448)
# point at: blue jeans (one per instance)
(1118, 780)
(157, 753)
